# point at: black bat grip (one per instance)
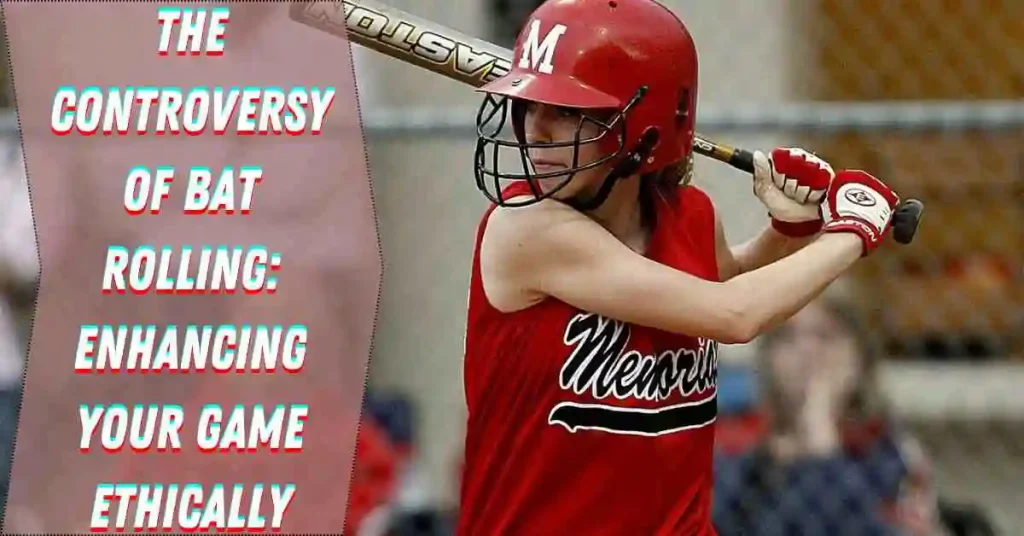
(742, 160)
(906, 220)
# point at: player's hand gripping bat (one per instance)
(473, 61)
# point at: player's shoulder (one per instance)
(525, 220)
(522, 231)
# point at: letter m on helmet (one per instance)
(538, 54)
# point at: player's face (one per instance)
(815, 359)
(553, 124)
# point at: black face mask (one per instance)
(495, 110)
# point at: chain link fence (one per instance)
(928, 94)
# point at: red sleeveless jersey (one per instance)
(580, 424)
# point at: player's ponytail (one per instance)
(665, 184)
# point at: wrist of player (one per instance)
(795, 220)
(870, 236)
(797, 228)
(861, 205)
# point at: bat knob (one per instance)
(906, 220)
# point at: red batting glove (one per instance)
(792, 183)
(861, 204)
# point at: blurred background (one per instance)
(927, 94)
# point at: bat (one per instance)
(475, 62)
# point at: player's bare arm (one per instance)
(767, 247)
(579, 262)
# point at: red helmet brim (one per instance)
(549, 89)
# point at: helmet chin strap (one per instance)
(623, 169)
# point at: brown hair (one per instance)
(663, 184)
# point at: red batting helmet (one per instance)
(632, 58)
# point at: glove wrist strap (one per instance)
(797, 229)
